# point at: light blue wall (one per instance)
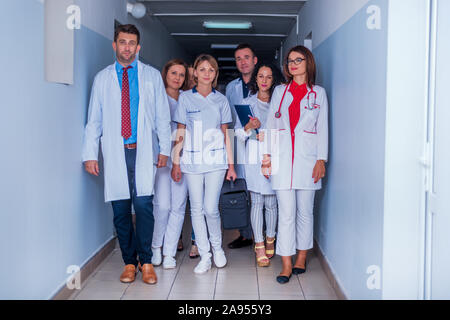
(349, 210)
(53, 213)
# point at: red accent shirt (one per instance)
(298, 92)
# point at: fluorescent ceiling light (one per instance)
(223, 46)
(227, 25)
(226, 59)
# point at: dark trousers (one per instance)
(134, 243)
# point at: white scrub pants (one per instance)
(204, 193)
(258, 202)
(169, 209)
(295, 221)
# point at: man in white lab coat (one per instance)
(129, 114)
(236, 91)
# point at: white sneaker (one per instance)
(219, 258)
(169, 263)
(203, 266)
(157, 257)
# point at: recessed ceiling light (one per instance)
(227, 25)
(226, 59)
(223, 46)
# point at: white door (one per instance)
(437, 280)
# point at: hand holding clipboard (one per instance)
(245, 115)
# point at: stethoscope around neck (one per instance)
(278, 113)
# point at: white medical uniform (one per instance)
(292, 168)
(204, 162)
(262, 194)
(169, 202)
(104, 125)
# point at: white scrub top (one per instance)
(254, 150)
(204, 147)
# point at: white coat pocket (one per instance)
(309, 144)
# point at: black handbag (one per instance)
(234, 204)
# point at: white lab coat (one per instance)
(235, 96)
(254, 150)
(311, 140)
(104, 124)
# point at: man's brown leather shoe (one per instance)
(148, 274)
(128, 274)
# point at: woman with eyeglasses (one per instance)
(297, 135)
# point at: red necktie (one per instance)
(126, 121)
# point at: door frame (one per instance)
(407, 98)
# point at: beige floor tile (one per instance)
(144, 296)
(231, 286)
(322, 297)
(281, 296)
(114, 285)
(283, 290)
(102, 290)
(238, 270)
(188, 273)
(191, 296)
(316, 284)
(234, 296)
(107, 275)
(99, 295)
(193, 287)
(139, 285)
(274, 288)
(237, 277)
(112, 266)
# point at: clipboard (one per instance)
(244, 111)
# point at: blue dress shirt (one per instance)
(134, 97)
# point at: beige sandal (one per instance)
(270, 253)
(262, 261)
(194, 254)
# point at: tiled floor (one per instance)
(241, 279)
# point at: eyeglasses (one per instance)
(296, 61)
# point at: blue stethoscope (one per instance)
(314, 106)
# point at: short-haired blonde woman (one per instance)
(203, 115)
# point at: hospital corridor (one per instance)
(375, 90)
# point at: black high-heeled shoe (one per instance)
(298, 271)
(283, 279)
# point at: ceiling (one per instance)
(271, 23)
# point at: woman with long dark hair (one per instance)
(262, 84)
